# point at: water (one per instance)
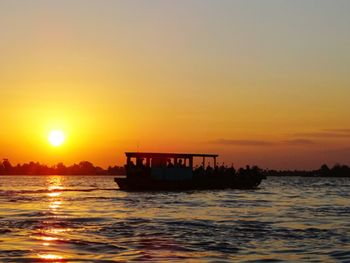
(85, 219)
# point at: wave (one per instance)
(47, 191)
(283, 220)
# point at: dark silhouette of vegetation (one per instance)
(324, 171)
(87, 168)
(35, 168)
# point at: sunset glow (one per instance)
(56, 138)
(243, 79)
(167, 131)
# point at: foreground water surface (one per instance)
(86, 219)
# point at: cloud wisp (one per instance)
(299, 142)
(327, 133)
(263, 143)
(298, 139)
(243, 142)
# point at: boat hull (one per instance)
(139, 183)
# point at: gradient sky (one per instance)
(259, 82)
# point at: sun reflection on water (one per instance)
(50, 257)
(57, 230)
(54, 205)
(49, 234)
(54, 194)
(55, 187)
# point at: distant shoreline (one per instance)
(338, 171)
(85, 168)
(112, 175)
(96, 175)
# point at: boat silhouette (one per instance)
(175, 171)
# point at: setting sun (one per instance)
(56, 138)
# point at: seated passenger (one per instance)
(216, 170)
(179, 163)
(170, 164)
(131, 164)
(222, 168)
(209, 170)
(139, 162)
(199, 170)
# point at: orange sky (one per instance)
(259, 82)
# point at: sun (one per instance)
(56, 138)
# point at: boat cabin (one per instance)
(164, 166)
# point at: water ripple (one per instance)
(84, 219)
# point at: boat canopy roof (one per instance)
(167, 155)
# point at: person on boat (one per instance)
(231, 170)
(131, 164)
(209, 170)
(222, 169)
(170, 164)
(216, 170)
(199, 170)
(179, 163)
(139, 163)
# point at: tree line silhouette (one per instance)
(87, 168)
(336, 171)
(35, 168)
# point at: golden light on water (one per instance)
(54, 194)
(48, 238)
(58, 230)
(55, 205)
(49, 234)
(54, 187)
(49, 256)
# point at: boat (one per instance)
(146, 171)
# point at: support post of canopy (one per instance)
(214, 162)
(203, 162)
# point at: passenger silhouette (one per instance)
(170, 164)
(180, 164)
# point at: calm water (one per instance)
(85, 219)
